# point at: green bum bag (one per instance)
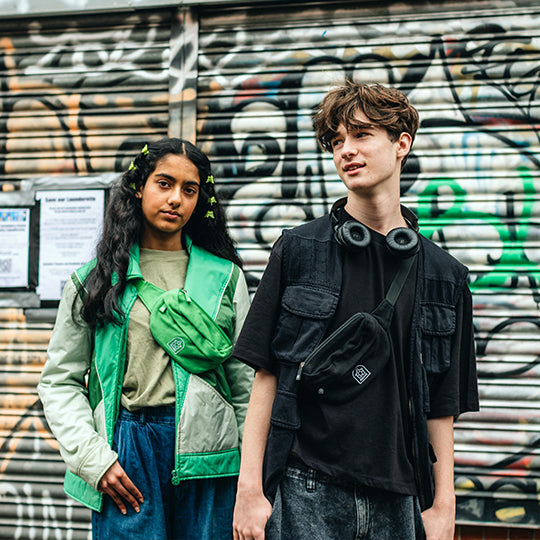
(187, 334)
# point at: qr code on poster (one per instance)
(5, 266)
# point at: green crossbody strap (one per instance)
(148, 293)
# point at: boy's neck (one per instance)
(381, 212)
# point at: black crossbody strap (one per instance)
(399, 280)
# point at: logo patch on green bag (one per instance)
(176, 344)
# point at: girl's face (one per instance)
(168, 199)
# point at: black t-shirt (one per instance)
(366, 440)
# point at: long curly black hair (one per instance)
(123, 224)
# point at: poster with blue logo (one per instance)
(14, 247)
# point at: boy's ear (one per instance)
(404, 144)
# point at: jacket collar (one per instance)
(134, 271)
(410, 218)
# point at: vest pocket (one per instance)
(302, 320)
(285, 411)
(438, 325)
(207, 420)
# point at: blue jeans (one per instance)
(193, 510)
(310, 506)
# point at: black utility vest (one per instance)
(312, 276)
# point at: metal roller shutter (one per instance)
(76, 92)
(472, 70)
(33, 503)
(78, 95)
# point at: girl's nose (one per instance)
(175, 196)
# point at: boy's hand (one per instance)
(116, 483)
(439, 522)
(251, 512)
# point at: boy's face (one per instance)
(366, 160)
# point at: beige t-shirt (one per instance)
(148, 379)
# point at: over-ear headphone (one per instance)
(401, 242)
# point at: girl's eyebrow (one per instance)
(173, 179)
(167, 176)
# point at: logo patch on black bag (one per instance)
(360, 373)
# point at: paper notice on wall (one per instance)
(14, 247)
(70, 223)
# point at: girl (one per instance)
(150, 446)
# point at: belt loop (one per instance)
(311, 480)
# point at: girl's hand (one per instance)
(116, 483)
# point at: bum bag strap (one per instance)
(148, 293)
(399, 280)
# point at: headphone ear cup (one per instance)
(355, 235)
(402, 242)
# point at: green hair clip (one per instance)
(133, 186)
(210, 179)
(210, 215)
(132, 166)
(145, 150)
(212, 200)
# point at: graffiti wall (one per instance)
(473, 179)
(79, 95)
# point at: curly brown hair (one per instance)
(384, 106)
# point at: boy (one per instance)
(349, 430)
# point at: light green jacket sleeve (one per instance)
(239, 375)
(62, 389)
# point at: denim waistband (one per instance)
(296, 463)
(156, 415)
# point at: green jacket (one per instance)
(83, 416)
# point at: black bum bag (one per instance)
(356, 352)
